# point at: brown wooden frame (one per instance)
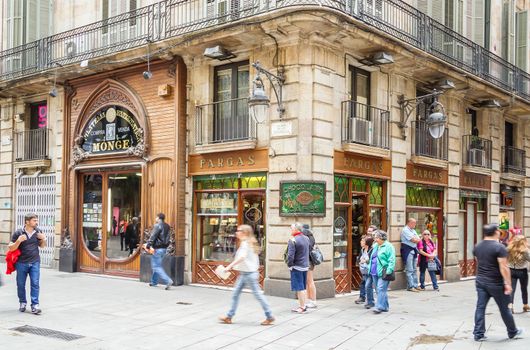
(464, 269)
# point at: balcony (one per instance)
(513, 161)
(224, 125)
(476, 152)
(32, 148)
(175, 18)
(424, 145)
(365, 125)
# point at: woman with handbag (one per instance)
(246, 262)
(427, 260)
(383, 258)
(518, 258)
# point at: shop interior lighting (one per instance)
(218, 52)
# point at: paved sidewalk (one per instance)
(117, 313)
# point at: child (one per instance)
(363, 260)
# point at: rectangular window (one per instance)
(231, 88)
(38, 115)
(521, 55)
(508, 30)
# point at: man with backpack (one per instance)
(298, 263)
(159, 241)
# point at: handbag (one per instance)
(431, 265)
(315, 255)
(388, 277)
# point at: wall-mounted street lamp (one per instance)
(259, 102)
(436, 119)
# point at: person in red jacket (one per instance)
(28, 240)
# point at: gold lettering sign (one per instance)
(427, 175)
(352, 163)
(229, 162)
(217, 203)
(475, 181)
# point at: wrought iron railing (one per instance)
(513, 160)
(423, 144)
(224, 121)
(172, 18)
(476, 151)
(365, 124)
(32, 144)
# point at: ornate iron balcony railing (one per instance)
(173, 18)
(513, 160)
(423, 144)
(32, 144)
(476, 151)
(365, 124)
(224, 121)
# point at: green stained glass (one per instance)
(254, 182)
(358, 185)
(341, 189)
(376, 192)
(230, 181)
(462, 203)
(419, 196)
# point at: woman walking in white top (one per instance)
(247, 263)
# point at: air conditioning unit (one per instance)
(361, 131)
(476, 157)
(70, 48)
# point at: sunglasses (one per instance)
(426, 234)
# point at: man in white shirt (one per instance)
(409, 253)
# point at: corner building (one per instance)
(349, 146)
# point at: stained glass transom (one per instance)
(419, 196)
(341, 189)
(230, 181)
(358, 185)
(376, 192)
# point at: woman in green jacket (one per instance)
(383, 256)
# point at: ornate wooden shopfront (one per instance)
(229, 189)
(360, 196)
(122, 161)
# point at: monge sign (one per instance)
(111, 129)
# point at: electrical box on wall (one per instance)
(164, 90)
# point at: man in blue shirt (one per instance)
(409, 253)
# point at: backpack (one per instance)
(286, 251)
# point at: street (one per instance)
(119, 313)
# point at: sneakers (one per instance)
(35, 309)
(168, 286)
(416, 290)
(152, 285)
(377, 311)
(526, 308)
(299, 310)
(481, 339)
(517, 334)
(369, 306)
(225, 319)
(360, 301)
(311, 304)
(268, 321)
(22, 307)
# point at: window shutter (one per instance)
(437, 10)
(522, 40)
(511, 31)
(423, 6)
(478, 21)
(14, 23)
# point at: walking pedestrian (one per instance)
(427, 249)
(493, 281)
(246, 262)
(298, 263)
(159, 240)
(363, 261)
(27, 240)
(385, 260)
(409, 252)
(311, 288)
(518, 258)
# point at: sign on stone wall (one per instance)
(111, 129)
(302, 198)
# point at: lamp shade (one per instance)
(258, 104)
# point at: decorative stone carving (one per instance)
(66, 240)
(111, 96)
(78, 153)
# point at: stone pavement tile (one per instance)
(245, 344)
(216, 342)
(274, 346)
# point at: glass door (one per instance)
(110, 201)
(359, 226)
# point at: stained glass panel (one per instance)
(341, 189)
(358, 185)
(376, 192)
(419, 196)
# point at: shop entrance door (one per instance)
(109, 200)
(468, 241)
(359, 227)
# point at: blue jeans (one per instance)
(250, 279)
(371, 282)
(484, 293)
(23, 270)
(410, 270)
(362, 287)
(382, 295)
(158, 270)
(422, 277)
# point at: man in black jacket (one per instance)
(132, 234)
(159, 240)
